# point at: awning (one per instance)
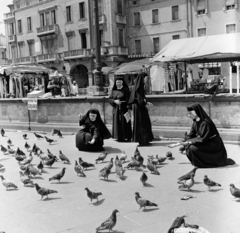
(217, 48)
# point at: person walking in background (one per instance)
(142, 128)
(121, 127)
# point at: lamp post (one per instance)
(98, 78)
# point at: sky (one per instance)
(3, 9)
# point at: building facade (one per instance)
(59, 34)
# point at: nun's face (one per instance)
(192, 114)
(92, 116)
(119, 84)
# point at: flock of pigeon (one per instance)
(27, 170)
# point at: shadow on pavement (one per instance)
(148, 185)
(110, 181)
(64, 182)
(98, 202)
(215, 190)
(148, 210)
(112, 150)
(51, 198)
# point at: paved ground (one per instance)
(70, 210)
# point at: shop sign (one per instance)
(32, 104)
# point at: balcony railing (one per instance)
(117, 50)
(11, 38)
(140, 55)
(24, 60)
(121, 19)
(77, 53)
(46, 30)
(9, 15)
(47, 57)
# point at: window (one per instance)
(100, 12)
(175, 37)
(68, 12)
(230, 4)
(21, 49)
(48, 46)
(31, 48)
(11, 29)
(120, 37)
(13, 51)
(71, 42)
(53, 17)
(120, 7)
(81, 10)
(101, 37)
(201, 7)
(230, 28)
(42, 22)
(47, 18)
(83, 40)
(201, 32)
(175, 13)
(19, 26)
(29, 24)
(155, 16)
(4, 55)
(136, 18)
(156, 45)
(138, 48)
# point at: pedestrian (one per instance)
(94, 131)
(204, 146)
(142, 128)
(121, 126)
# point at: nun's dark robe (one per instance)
(207, 150)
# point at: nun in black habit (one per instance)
(204, 146)
(121, 129)
(142, 128)
(94, 131)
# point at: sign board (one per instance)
(32, 104)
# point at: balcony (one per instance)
(48, 58)
(24, 60)
(77, 53)
(121, 19)
(47, 30)
(9, 15)
(11, 38)
(117, 50)
(138, 55)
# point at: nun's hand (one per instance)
(92, 141)
(80, 116)
(185, 143)
(117, 102)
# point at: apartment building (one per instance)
(59, 34)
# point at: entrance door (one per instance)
(80, 75)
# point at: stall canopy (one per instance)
(217, 48)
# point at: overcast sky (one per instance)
(3, 9)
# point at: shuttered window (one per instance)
(137, 18)
(138, 48)
(156, 45)
(155, 16)
(120, 37)
(175, 13)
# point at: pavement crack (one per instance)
(132, 220)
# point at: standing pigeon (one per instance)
(9, 142)
(25, 136)
(118, 162)
(40, 167)
(109, 166)
(58, 176)
(187, 176)
(143, 178)
(2, 132)
(27, 146)
(153, 160)
(50, 162)
(63, 157)
(78, 169)
(209, 183)
(34, 171)
(123, 157)
(4, 150)
(28, 159)
(109, 223)
(187, 183)
(93, 195)
(20, 152)
(50, 155)
(101, 157)
(161, 159)
(38, 136)
(58, 132)
(25, 180)
(138, 156)
(43, 192)
(142, 202)
(120, 172)
(133, 164)
(84, 164)
(234, 191)
(105, 172)
(49, 140)
(10, 150)
(152, 168)
(8, 184)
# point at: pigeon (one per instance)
(43, 192)
(118, 162)
(161, 159)
(23, 167)
(109, 166)
(50, 155)
(4, 150)
(209, 183)
(2, 169)
(120, 172)
(105, 172)
(138, 156)
(34, 148)
(143, 178)
(25, 180)
(10, 150)
(9, 142)
(58, 132)
(38, 136)
(84, 164)
(187, 176)
(28, 159)
(20, 152)
(133, 164)
(152, 168)
(8, 184)
(92, 195)
(169, 154)
(154, 161)
(2, 132)
(63, 157)
(34, 171)
(123, 157)
(101, 157)
(109, 223)
(49, 140)
(78, 169)
(19, 158)
(44, 157)
(25, 136)
(188, 183)
(58, 176)
(27, 146)
(40, 167)
(1, 165)
(142, 202)
(50, 162)
(234, 191)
